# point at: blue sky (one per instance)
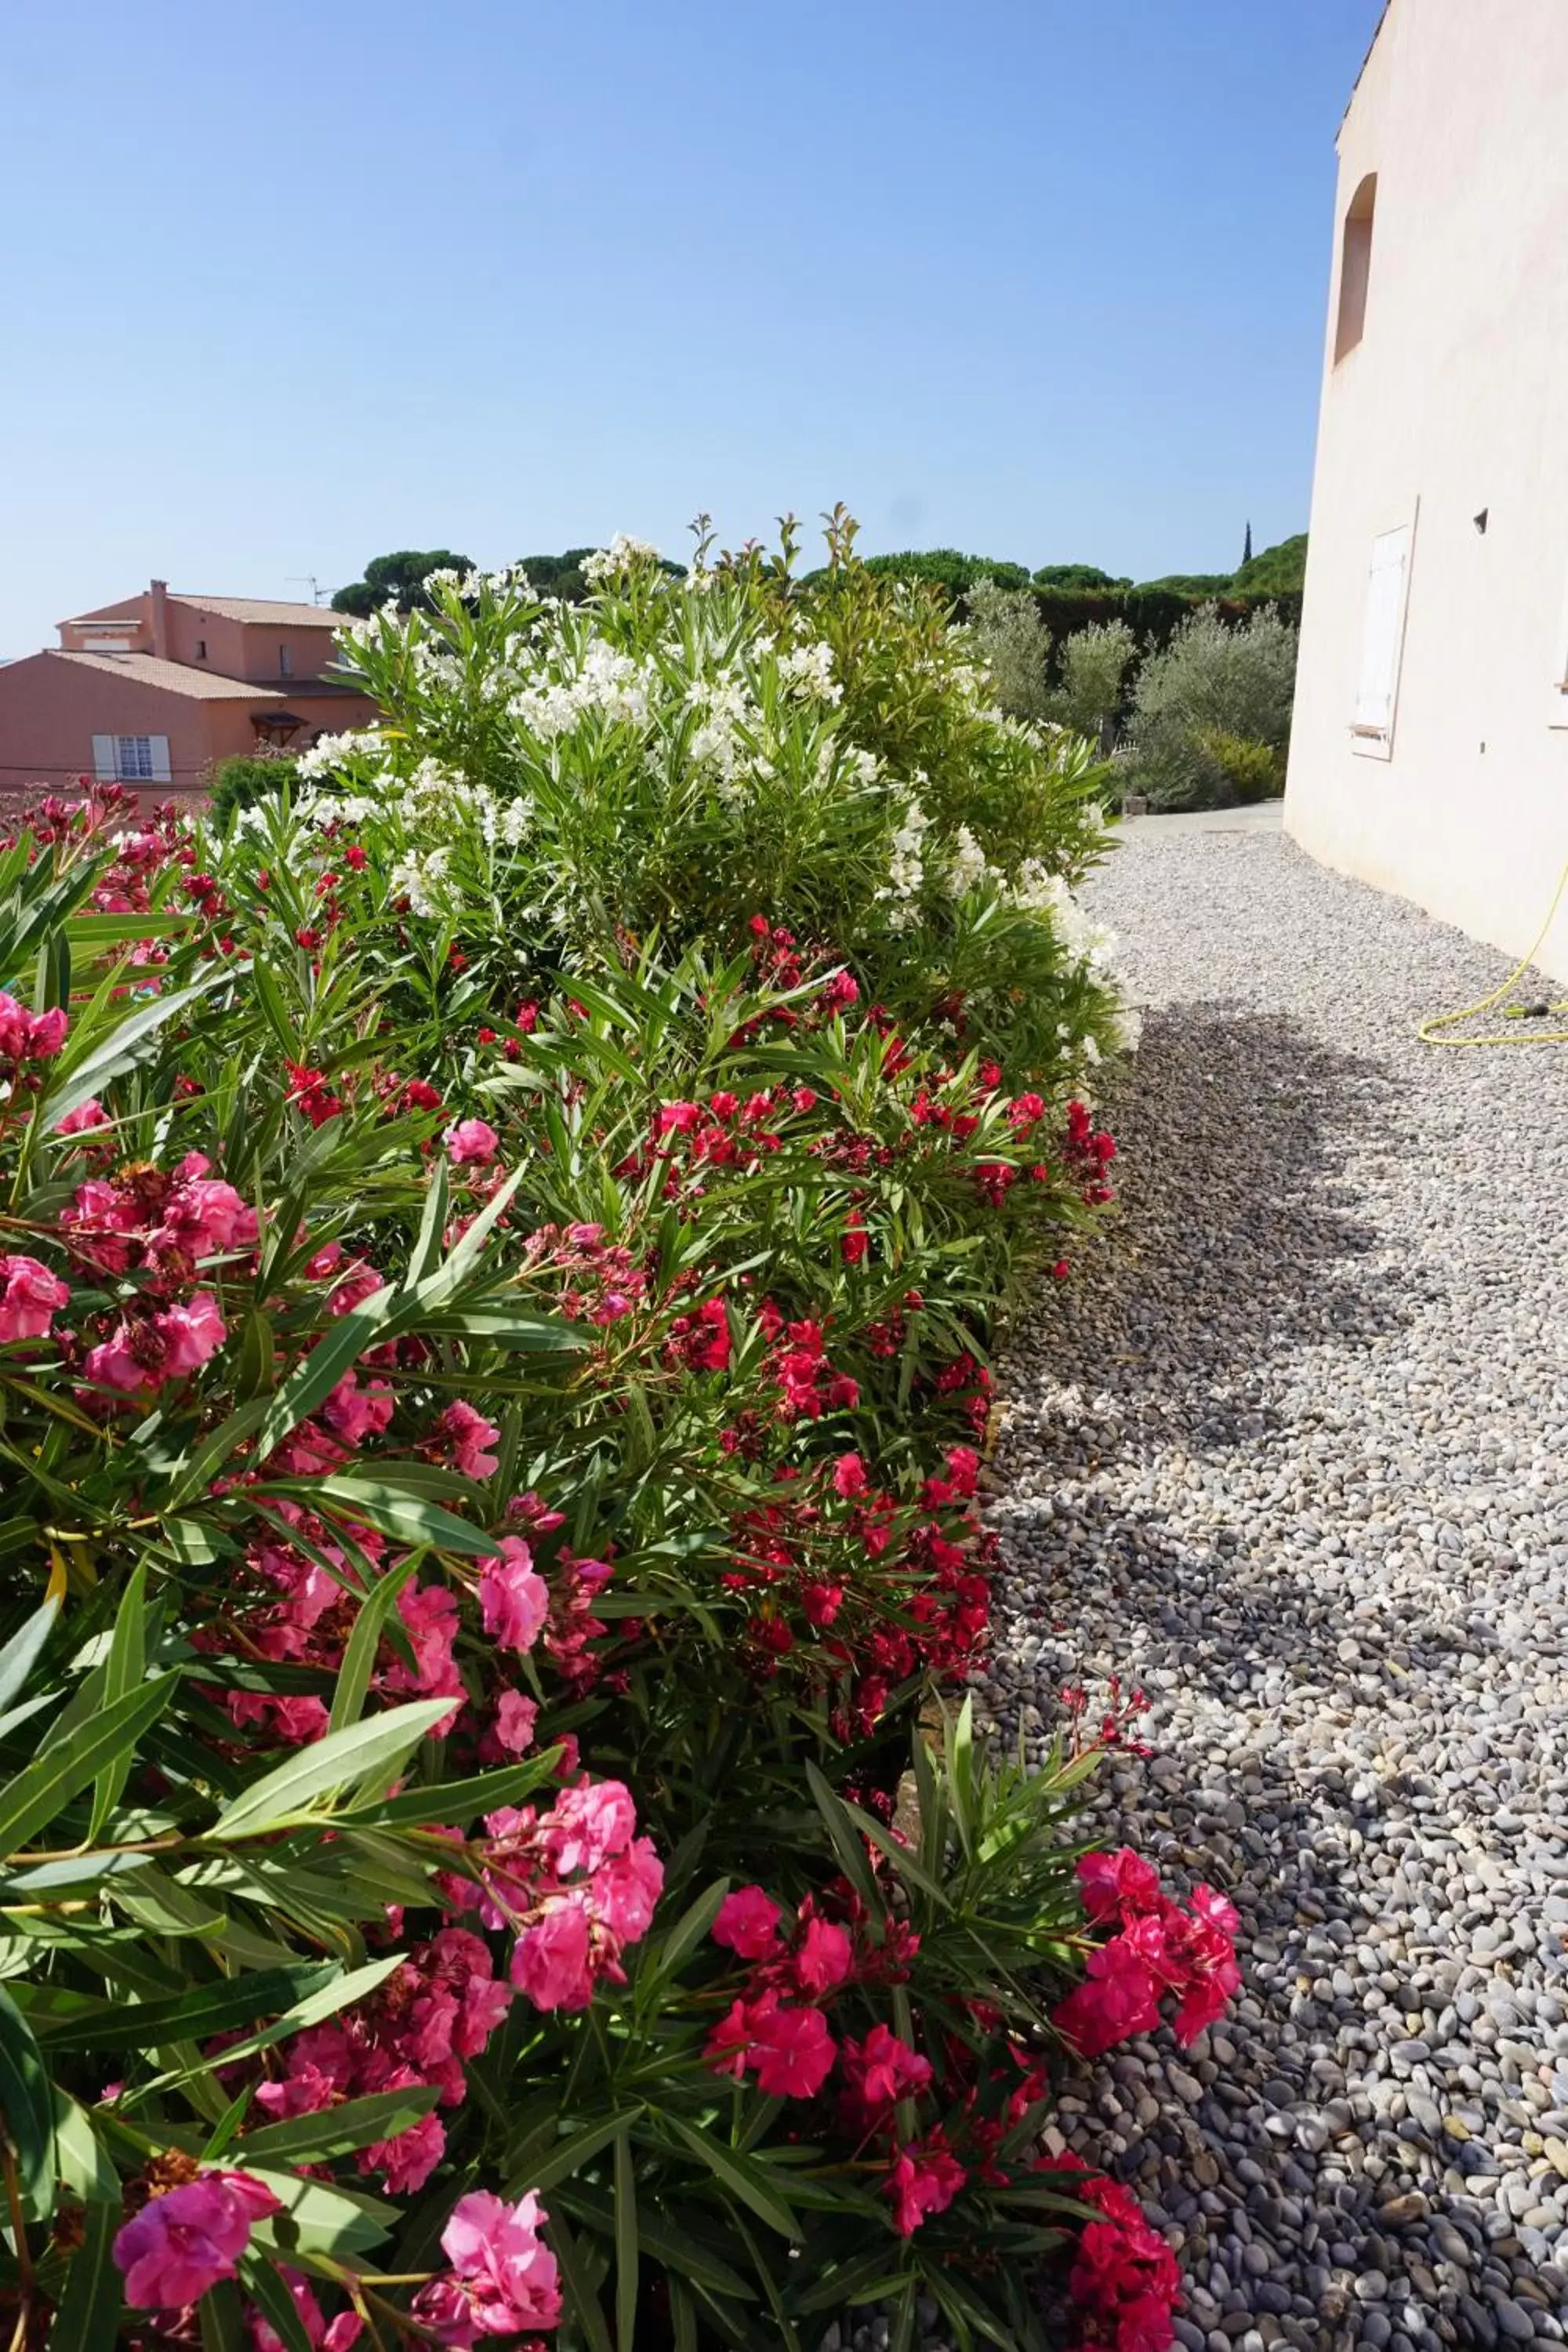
(291, 285)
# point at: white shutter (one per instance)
(160, 757)
(1557, 708)
(105, 759)
(1380, 631)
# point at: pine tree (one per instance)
(1247, 550)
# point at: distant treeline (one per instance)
(1070, 596)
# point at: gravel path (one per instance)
(1291, 1450)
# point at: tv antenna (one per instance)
(307, 579)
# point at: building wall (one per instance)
(1454, 401)
(50, 710)
(309, 652)
(245, 649)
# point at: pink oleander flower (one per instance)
(406, 2162)
(303, 2092)
(747, 1924)
(552, 1962)
(472, 1142)
(190, 1333)
(354, 1413)
(849, 1475)
(626, 1890)
(87, 1114)
(1125, 2279)
(791, 2049)
(925, 2180)
(113, 1363)
(29, 1036)
(431, 1619)
(515, 1718)
(823, 1956)
(204, 1215)
(1117, 1999)
(29, 1296)
(182, 2243)
(503, 2277)
(468, 1434)
(1116, 1884)
(323, 2334)
(586, 1825)
(514, 1600)
(883, 2069)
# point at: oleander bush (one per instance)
(498, 1259)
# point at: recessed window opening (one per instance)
(1355, 267)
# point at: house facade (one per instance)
(1430, 750)
(152, 691)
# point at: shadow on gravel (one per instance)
(1170, 1336)
(1188, 1328)
(1207, 1270)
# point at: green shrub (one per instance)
(1276, 571)
(943, 567)
(1075, 577)
(1254, 772)
(650, 761)
(1187, 584)
(1093, 667)
(1213, 684)
(1011, 640)
(239, 783)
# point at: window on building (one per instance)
(201, 648)
(1382, 636)
(1355, 267)
(131, 759)
(285, 662)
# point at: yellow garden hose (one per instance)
(1520, 1037)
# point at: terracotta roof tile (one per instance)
(259, 608)
(171, 677)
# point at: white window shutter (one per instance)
(105, 759)
(160, 757)
(1381, 632)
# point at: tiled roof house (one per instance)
(152, 691)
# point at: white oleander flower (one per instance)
(517, 821)
(969, 866)
(623, 554)
(418, 877)
(1087, 941)
(807, 671)
(332, 752)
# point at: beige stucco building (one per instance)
(1429, 752)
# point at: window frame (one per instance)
(124, 773)
(110, 764)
